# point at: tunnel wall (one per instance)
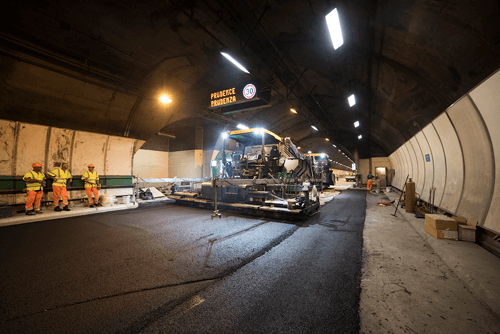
(458, 153)
(151, 164)
(25, 143)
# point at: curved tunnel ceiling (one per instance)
(101, 66)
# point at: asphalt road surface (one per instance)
(171, 269)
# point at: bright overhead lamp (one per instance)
(352, 100)
(259, 131)
(360, 136)
(334, 145)
(232, 60)
(225, 135)
(293, 110)
(315, 128)
(298, 148)
(333, 22)
(356, 124)
(309, 152)
(242, 127)
(327, 139)
(165, 99)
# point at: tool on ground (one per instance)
(394, 214)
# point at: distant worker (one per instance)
(61, 176)
(35, 180)
(92, 185)
(370, 181)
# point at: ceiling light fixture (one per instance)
(315, 128)
(352, 100)
(165, 99)
(232, 60)
(293, 110)
(356, 124)
(242, 127)
(327, 139)
(309, 152)
(333, 22)
(360, 136)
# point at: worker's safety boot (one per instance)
(66, 208)
(57, 208)
(30, 213)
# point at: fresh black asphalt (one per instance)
(172, 269)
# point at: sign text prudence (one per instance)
(223, 97)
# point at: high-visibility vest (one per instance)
(60, 177)
(90, 178)
(34, 185)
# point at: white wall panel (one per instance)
(59, 147)
(477, 154)
(487, 99)
(151, 164)
(401, 170)
(119, 156)
(88, 148)
(407, 162)
(412, 162)
(181, 164)
(419, 183)
(427, 166)
(438, 162)
(8, 143)
(454, 163)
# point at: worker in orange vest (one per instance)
(61, 176)
(35, 180)
(370, 181)
(92, 185)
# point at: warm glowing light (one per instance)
(315, 128)
(232, 60)
(242, 127)
(352, 100)
(327, 139)
(164, 99)
(333, 22)
(356, 124)
(298, 148)
(293, 110)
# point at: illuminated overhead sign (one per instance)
(240, 97)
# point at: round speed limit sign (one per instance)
(249, 91)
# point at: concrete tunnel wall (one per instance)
(458, 153)
(24, 143)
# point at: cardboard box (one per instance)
(441, 234)
(441, 222)
(460, 220)
(468, 232)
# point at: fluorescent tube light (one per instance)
(356, 124)
(315, 128)
(232, 60)
(242, 127)
(333, 22)
(352, 100)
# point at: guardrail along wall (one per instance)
(24, 143)
(459, 154)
